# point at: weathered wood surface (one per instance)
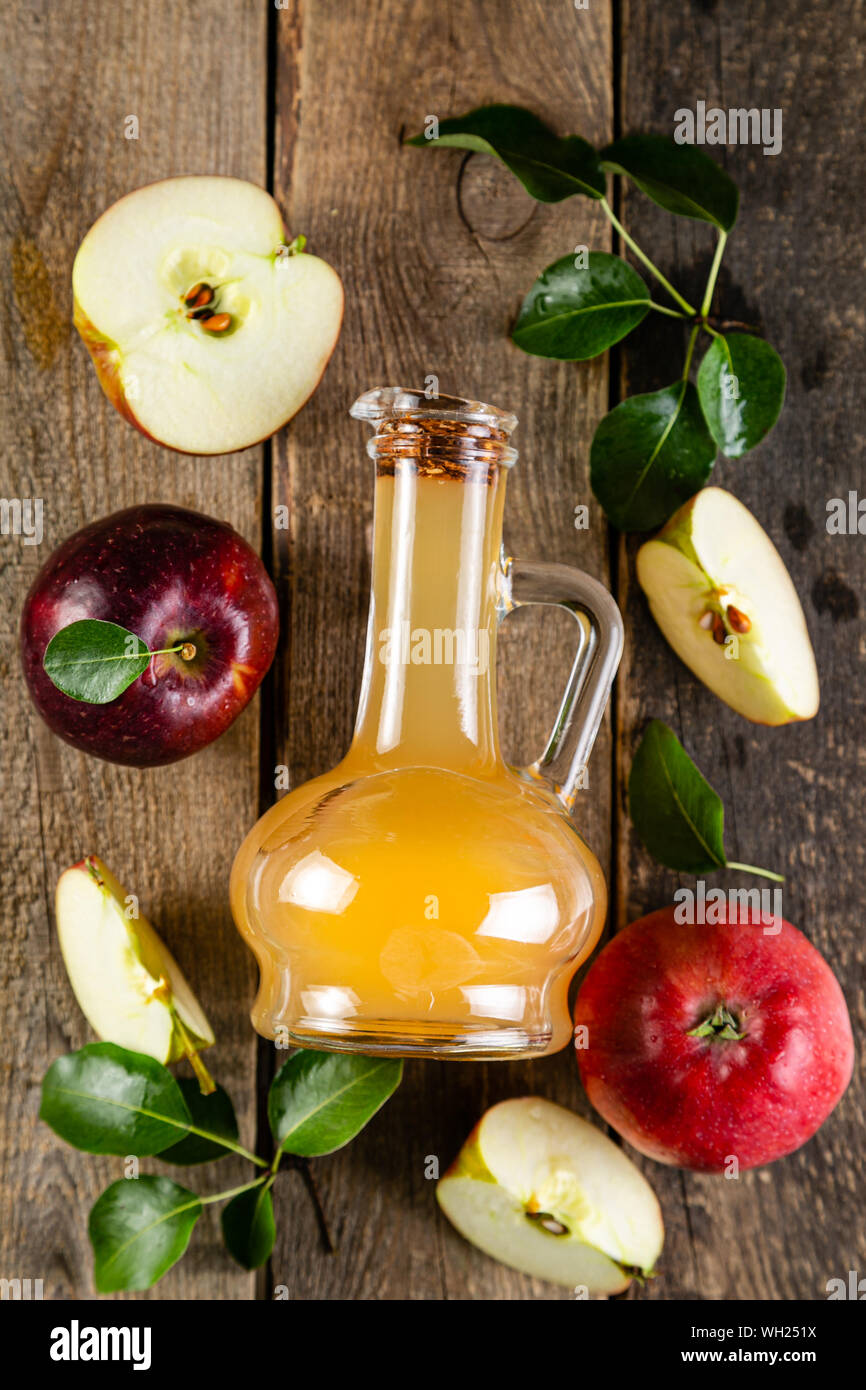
(195, 78)
(436, 250)
(792, 795)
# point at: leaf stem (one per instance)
(225, 1143)
(690, 352)
(644, 258)
(663, 309)
(233, 1191)
(714, 270)
(753, 869)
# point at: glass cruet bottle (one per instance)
(423, 898)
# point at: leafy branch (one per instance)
(105, 1099)
(654, 451)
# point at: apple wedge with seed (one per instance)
(719, 590)
(208, 330)
(545, 1192)
(130, 987)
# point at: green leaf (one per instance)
(550, 167)
(676, 813)
(248, 1226)
(741, 385)
(575, 314)
(213, 1112)
(138, 1228)
(107, 1100)
(650, 454)
(94, 661)
(680, 178)
(318, 1101)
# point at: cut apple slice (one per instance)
(540, 1189)
(721, 594)
(207, 331)
(130, 988)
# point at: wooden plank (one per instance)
(792, 795)
(436, 252)
(195, 79)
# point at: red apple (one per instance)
(170, 576)
(709, 1043)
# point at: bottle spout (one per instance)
(438, 433)
(402, 402)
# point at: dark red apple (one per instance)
(709, 1043)
(170, 576)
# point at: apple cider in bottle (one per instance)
(424, 898)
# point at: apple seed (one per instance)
(739, 621)
(548, 1222)
(719, 632)
(216, 323)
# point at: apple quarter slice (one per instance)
(130, 988)
(543, 1191)
(156, 349)
(713, 574)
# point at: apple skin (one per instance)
(696, 1102)
(169, 575)
(105, 359)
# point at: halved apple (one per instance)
(545, 1192)
(130, 987)
(721, 594)
(208, 331)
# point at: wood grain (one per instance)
(195, 78)
(792, 794)
(436, 252)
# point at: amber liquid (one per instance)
(422, 898)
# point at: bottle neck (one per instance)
(428, 696)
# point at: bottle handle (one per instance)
(595, 664)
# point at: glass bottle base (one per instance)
(390, 1038)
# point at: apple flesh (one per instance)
(223, 368)
(541, 1190)
(170, 576)
(713, 574)
(130, 988)
(712, 1043)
